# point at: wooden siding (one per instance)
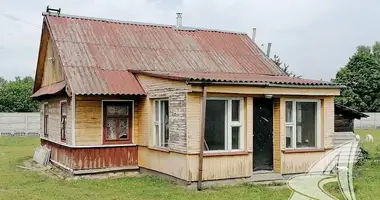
(276, 136)
(171, 163)
(52, 70)
(221, 167)
(88, 123)
(93, 158)
(299, 162)
(54, 120)
(240, 89)
(158, 87)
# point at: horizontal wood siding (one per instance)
(88, 123)
(276, 136)
(221, 167)
(93, 158)
(170, 163)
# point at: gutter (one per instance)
(268, 85)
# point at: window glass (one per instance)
(161, 108)
(235, 110)
(289, 111)
(215, 125)
(289, 136)
(124, 128)
(235, 137)
(111, 128)
(306, 124)
(118, 121)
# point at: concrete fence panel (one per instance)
(20, 124)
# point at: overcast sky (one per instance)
(314, 37)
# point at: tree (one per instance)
(361, 78)
(276, 59)
(15, 95)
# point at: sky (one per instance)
(314, 37)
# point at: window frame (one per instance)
(45, 119)
(159, 123)
(230, 124)
(128, 140)
(63, 135)
(293, 124)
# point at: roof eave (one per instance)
(263, 84)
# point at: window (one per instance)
(117, 121)
(161, 123)
(63, 120)
(302, 124)
(46, 117)
(224, 125)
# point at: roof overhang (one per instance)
(50, 89)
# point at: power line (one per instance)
(19, 19)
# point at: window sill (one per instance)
(161, 149)
(286, 151)
(110, 142)
(230, 153)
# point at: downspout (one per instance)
(201, 143)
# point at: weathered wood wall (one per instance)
(299, 162)
(93, 158)
(52, 72)
(54, 120)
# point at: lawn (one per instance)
(17, 183)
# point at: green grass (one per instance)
(367, 175)
(16, 183)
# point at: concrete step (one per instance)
(264, 177)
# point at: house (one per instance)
(344, 123)
(194, 104)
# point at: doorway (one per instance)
(262, 134)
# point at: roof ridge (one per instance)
(183, 28)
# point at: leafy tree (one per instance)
(361, 76)
(276, 59)
(15, 95)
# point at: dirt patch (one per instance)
(55, 172)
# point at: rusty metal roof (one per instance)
(117, 45)
(236, 78)
(50, 89)
(92, 80)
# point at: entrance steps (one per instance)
(266, 177)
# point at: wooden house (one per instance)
(194, 104)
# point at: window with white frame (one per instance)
(302, 123)
(224, 124)
(161, 123)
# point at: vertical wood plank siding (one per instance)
(52, 70)
(54, 120)
(93, 158)
(276, 136)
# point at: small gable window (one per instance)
(117, 121)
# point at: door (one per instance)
(262, 134)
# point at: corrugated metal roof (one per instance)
(116, 45)
(92, 80)
(50, 89)
(237, 78)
